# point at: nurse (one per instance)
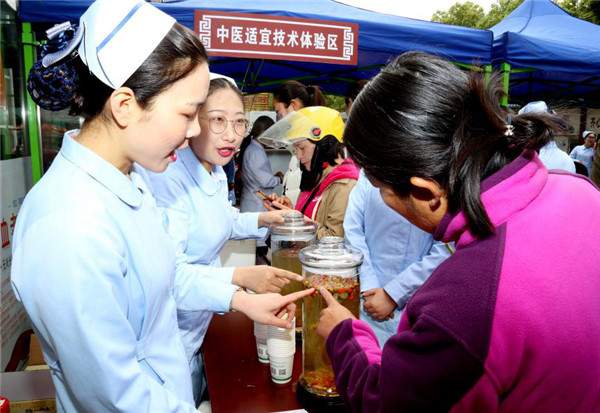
(193, 194)
(92, 264)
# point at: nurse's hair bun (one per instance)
(53, 85)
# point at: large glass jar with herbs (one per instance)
(332, 264)
(287, 240)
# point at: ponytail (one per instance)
(315, 96)
(292, 89)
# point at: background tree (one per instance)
(466, 14)
(583, 9)
(499, 11)
(469, 14)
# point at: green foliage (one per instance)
(466, 14)
(582, 9)
(335, 102)
(469, 14)
(499, 11)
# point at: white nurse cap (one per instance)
(115, 37)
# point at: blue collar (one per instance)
(208, 183)
(128, 190)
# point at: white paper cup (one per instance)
(262, 352)
(281, 369)
(260, 333)
(261, 330)
(281, 342)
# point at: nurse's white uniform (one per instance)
(94, 269)
(200, 220)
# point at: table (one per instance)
(237, 382)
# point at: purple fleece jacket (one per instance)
(509, 323)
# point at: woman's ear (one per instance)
(296, 104)
(429, 191)
(124, 108)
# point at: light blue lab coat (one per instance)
(94, 269)
(555, 158)
(256, 175)
(200, 220)
(398, 256)
(584, 155)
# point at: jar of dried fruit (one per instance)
(332, 264)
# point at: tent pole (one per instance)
(33, 128)
(248, 70)
(505, 70)
(487, 72)
(257, 72)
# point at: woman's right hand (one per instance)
(263, 278)
(274, 202)
(269, 308)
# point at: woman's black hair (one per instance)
(261, 124)
(179, 52)
(421, 116)
(327, 150)
(354, 89)
(292, 89)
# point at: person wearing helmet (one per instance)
(315, 134)
(287, 98)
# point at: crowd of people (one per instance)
(476, 296)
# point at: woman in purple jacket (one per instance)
(510, 322)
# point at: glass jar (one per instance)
(334, 265)
(287, 240)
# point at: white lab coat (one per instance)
(94, 269)
(257, 175)
(555, 158)
(200, 220)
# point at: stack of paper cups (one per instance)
(260, 333)
(281, 345)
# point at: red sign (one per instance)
(277, 37)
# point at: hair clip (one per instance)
(509, 130)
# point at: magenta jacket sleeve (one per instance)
(424, 369)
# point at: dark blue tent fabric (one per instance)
(381, 37)
(563, 50)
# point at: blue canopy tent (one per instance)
(548, 53)
(381, 37)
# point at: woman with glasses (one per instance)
(200, 220)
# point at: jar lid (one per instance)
(330, 253)
(295, 224)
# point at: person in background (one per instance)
(200, 220)
(293, 96)
(584, 153)
(316, 134)
(353, 92)
(289, 97)
(398, 257)
(255, 175)
(512, 315)
(550, 154)
(595, 175)
(255, 169)
(229, 169)
(92, 264)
